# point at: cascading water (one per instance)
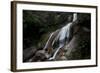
(62, 37)
(64, 33)
(48, 41)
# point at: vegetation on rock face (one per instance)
(82, 48)
(37, 26)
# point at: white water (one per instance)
(48, 40)
(63, 33)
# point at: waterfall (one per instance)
(64, 33)
(62, 37)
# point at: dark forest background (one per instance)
(37, 26)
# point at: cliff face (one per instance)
(79, 47)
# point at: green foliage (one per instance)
(39, 23)
(83, 50)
